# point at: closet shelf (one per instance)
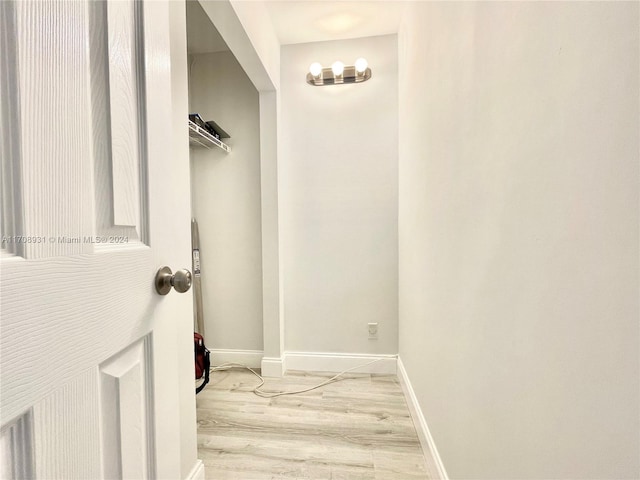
(199, 137)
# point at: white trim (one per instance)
(338, 362)
(431, 455)
(272, 367)
(197, 472)
(250, 358)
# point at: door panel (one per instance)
(122, 22)
(119, 120)
(53, 112)
(16, 448)
(66, 431)
(88, 352)
(124, 381)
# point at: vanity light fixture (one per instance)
(338, 73)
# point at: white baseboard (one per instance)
(197, 472)
(435, 467)
(339, 362)
(272, 367)
(250, 358)
(306, 361)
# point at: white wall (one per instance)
(338, 200)
(518, 235)
(226, 203)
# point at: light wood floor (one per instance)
(356, 428)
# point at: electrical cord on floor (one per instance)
(263, 394)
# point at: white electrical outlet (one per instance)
(373, 330)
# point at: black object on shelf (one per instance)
(218, 132)
(195, 118)
(212, 127)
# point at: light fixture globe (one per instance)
(337, 68)
(315, 69)
(361, 65)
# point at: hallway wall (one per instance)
(518, 235)
(226, 203)
(338, 200)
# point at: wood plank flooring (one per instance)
(354, 429)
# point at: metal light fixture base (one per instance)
(349, 75)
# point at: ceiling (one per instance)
(303, 21)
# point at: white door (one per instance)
(92, 205)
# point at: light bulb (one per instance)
(338, 68)
(315, 69)
(361, 65)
